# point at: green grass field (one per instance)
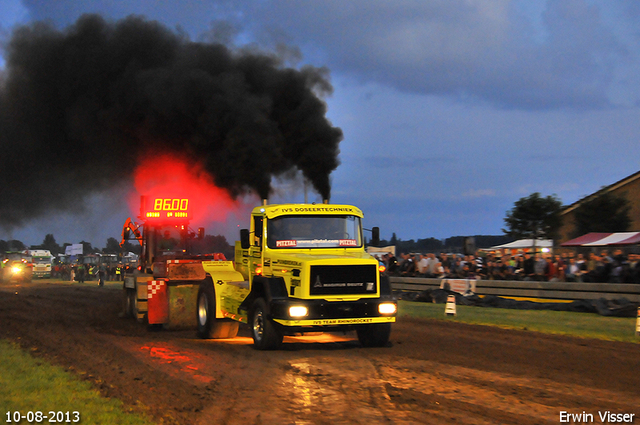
(584, 325)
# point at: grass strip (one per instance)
(28, 384)
(583, 325)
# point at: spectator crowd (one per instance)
(81, 272)
(565, 267)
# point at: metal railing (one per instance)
(530, 289)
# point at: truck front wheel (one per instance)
(264, 332)
(375, 335)
(208, 325)
(206, 310)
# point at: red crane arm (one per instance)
(130, 226)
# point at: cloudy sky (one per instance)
(451, 110)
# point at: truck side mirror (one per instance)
(244, 239)
(375, 236)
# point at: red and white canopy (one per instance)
(605, 239)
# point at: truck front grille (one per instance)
(343, 280)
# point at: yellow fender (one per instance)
(226, 280)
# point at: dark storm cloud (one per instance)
(526, 55)
(471, 49)
(78, 106)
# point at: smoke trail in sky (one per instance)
(80, 107)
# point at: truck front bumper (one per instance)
(325, 314)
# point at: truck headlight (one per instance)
(16, 270)
(387, 308)
(298, 311)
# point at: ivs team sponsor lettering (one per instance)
(342, 321)
(319, 210)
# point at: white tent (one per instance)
(525, 243)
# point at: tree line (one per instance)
(454, 244)
(535, 216)
(208, 244)
(49, 243)
(532, 217)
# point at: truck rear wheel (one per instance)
(208, 326)
(375, 335)
(264, 332)
(130, 303)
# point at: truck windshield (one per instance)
(169, 239)
(42, 260)
(314, 231)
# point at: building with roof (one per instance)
(597, 239)
(628, 188)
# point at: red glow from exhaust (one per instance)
(179, 363)
(172, 175)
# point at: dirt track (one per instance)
(434, 372)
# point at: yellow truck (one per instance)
(298, 268)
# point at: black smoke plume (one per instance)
(79, 106)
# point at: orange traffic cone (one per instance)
(450, 309)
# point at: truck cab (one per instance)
(42, 262)
(165, 264)
(299, 268)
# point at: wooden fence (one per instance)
(527, 289)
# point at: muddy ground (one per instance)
(434, 372)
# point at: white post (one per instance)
(450, 309)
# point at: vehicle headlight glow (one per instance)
(16, 270)
(298, 311)
(387, 308)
